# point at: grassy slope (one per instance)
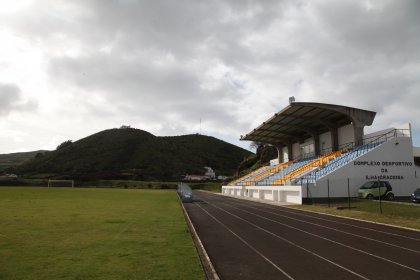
(94, 234)
(404, 215)
(138, 151)
(15, 159)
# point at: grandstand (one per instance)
(323, 151)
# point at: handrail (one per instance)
(396, 132)
(233, 183)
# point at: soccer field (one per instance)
(71, 233)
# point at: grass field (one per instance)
(94, 234)
(405, 215)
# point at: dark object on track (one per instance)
(185, 192)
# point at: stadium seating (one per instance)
(306, 170)
(336, 163)
(272, 170)
(321, 160)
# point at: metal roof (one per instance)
(301, 120)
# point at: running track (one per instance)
(251, 240)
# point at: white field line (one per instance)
(327, 239)
(247, 244)
(213, 274)
(334, 229)
(292, 243)
(341, 223)
(371, 229)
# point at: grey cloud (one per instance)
(11, 100)
(148, 59)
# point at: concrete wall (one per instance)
(382, 162)
(296, 150)
(325, 142)
(285, 155)
(281, 194)
(345, 134)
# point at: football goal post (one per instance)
(60, 183)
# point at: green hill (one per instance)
(8, 161)
(136, 154)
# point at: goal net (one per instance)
(60, 183)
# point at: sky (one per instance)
(69, 69)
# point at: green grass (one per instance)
(94, 234)
(398, 214)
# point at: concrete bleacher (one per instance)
(249, 176)
(306, 170)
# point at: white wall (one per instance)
(285, 155)
(381, 161)
(288, 194)
(325, 142)
(345, 134)
(296, 150)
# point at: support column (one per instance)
(334, 138)
(358, 133)
(316, 144)
(290, 150)
(279, 148)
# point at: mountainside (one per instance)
(138, 154)
(14, 159)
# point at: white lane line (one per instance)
(327, 239)
(293, 244)
(247, 244)
(338, 230)
(341, 223)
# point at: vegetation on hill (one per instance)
(137, 154)
(9, 161)
(263, 155)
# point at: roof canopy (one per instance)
(302, 120)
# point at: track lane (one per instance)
(323, 245)
(390, 250)
(337, 229)
(231, 258)
(386, 253)
(352, 260)
(285, 253)
(367, 227)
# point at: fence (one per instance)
(354, 192)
